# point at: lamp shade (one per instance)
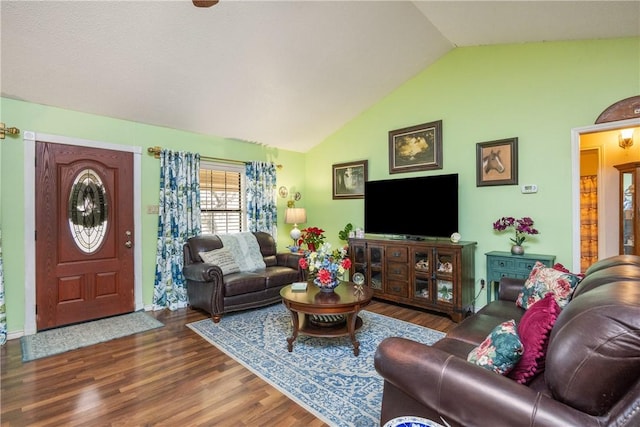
(295, 216)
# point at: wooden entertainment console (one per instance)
(434, 274)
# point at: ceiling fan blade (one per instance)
(204, 3)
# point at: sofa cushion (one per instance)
(534, 329)
(243, 283)
(222, 258)
(500, 351)
(594, 349)
(619, 272)
(475, 329)
(543, 280)
(278, 276)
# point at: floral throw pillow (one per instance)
(543, 280)
(534, 329)
(500, 351)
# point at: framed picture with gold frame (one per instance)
(416, 148)
(349, 179)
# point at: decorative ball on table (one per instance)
(358, 283)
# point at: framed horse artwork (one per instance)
(497, 162)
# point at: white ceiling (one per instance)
(286, 74)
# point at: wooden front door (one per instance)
(84, 234)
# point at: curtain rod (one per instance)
(155, 151)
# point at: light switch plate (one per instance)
(529, 188)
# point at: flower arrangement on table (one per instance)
(312, 237)
(522, 227)
(326, 266)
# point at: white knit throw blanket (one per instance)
(245, 250)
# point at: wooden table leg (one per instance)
(295, 324)
(352, 318)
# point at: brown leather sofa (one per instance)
(591, 375)
(209, 290)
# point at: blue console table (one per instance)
(505, 264)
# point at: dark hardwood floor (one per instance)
(167, 376)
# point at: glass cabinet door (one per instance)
(629, 208)
(443, 264)
(422, 272)
(376, 255)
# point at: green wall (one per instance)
(54, 121)
(536, 92)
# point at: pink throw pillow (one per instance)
(534, 329)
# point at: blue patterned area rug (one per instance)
(60, 340)
(321, 374)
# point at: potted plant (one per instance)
(344, 233)
(521, 227)
(313, 237)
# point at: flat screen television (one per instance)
(412, 208)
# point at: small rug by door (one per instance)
(321, 374)
(60, 340)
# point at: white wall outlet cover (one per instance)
(529, 188)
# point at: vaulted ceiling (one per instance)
(285, 74)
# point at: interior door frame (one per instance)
(29, 139)
(575, 176)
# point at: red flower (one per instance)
(302, 262)
(346, 263)
(312, 237)
(324, 276)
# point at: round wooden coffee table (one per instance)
(326, 314)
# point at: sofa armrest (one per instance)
(288, 259)
(509, 288)
(448, 388)
(202, 272)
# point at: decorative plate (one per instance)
(455, 237)
(283, 191)
(297, 196)
(411, 422)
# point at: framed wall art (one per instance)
(497, 162)
(349, 179)
(416, 148)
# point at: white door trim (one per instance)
(29, 138)
(575, 176)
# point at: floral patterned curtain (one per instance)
(3, 308)
(179, 219)
(588, 221)
(262, 213)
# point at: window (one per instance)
(222, 201)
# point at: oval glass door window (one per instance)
(88, 211)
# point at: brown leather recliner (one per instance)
(209, 290)
(591, 375)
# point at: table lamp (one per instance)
(295, 216)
